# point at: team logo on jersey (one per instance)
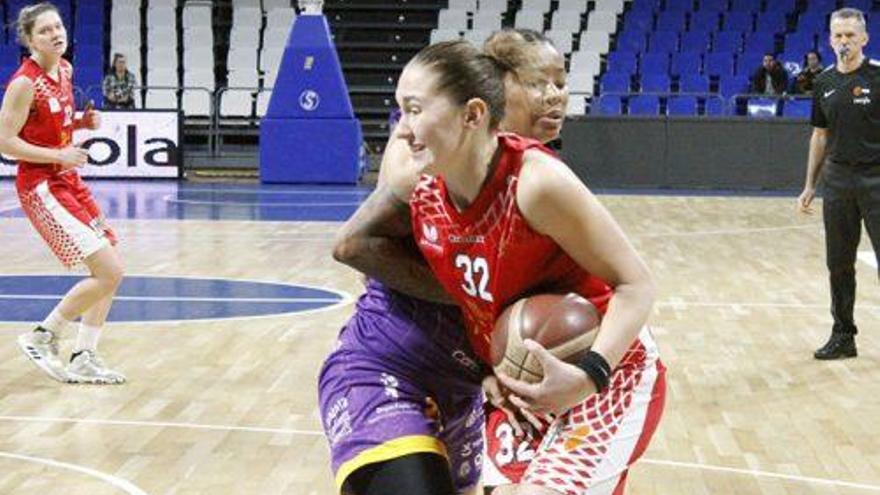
(430, 233)
(390, 382)
(309, 100)
(54, 105)
(859, 91)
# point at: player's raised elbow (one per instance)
(343, 249)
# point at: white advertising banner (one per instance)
(140, 144)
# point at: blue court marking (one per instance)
(176, 200)
(28, 298)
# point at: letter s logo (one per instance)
(309, 100)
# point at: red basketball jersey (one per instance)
(50, 121)
(488, 256)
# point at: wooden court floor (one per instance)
(229, 406)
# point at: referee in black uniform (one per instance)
(846, 140)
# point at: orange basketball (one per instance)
(566, 325)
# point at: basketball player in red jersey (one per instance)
(37, 121)
(499, 218)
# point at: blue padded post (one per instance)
(309, 133)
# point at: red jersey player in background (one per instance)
(501, 218)
(37, 121)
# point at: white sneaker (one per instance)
(41, 347)
(87, 367)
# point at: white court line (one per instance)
(169, 199)
(257, 192)
(868, 258)
(763, 474)
(7, 207)
(751, 230)
(189, 299)
(725, 304)
(287, 431)
(163, 424)
(120, 483)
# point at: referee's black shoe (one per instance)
(839, 346)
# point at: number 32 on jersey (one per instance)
(476, 276)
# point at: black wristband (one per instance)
(597, 368)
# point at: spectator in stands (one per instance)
(770, 78)
(118, 85)
(812, 67)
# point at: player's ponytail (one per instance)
(515, 48)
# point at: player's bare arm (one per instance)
(13, 115)
(815, 160)
(377, 240)
(556, 203)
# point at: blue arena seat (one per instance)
(761, 41)
(799, 108)
(863, 5)
(681, 105)
(693, 83)
(771, 22)
(745, 5)
(713, 5)
(715, 106)
(812, 21)
(655, 83)
(654, 63)
(680, 5)
(630, 40)
(644, 5)
(825, 6)
(615, 82)
(684, 63)
(748, 62)
(644, 105)
(663, 41)
(727, 41)
(719, 64)
(622, 62)
(637, 20)
(705, 20)
(695, 41)
(670, 21)
(738, 21)
(729, 86)
(800, 42)
(610, 105)
(825, 51)
(786, 6)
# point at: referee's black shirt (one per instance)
(848, 105)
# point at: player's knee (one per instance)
(414, 474)
(111, 275)
(343, 251)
